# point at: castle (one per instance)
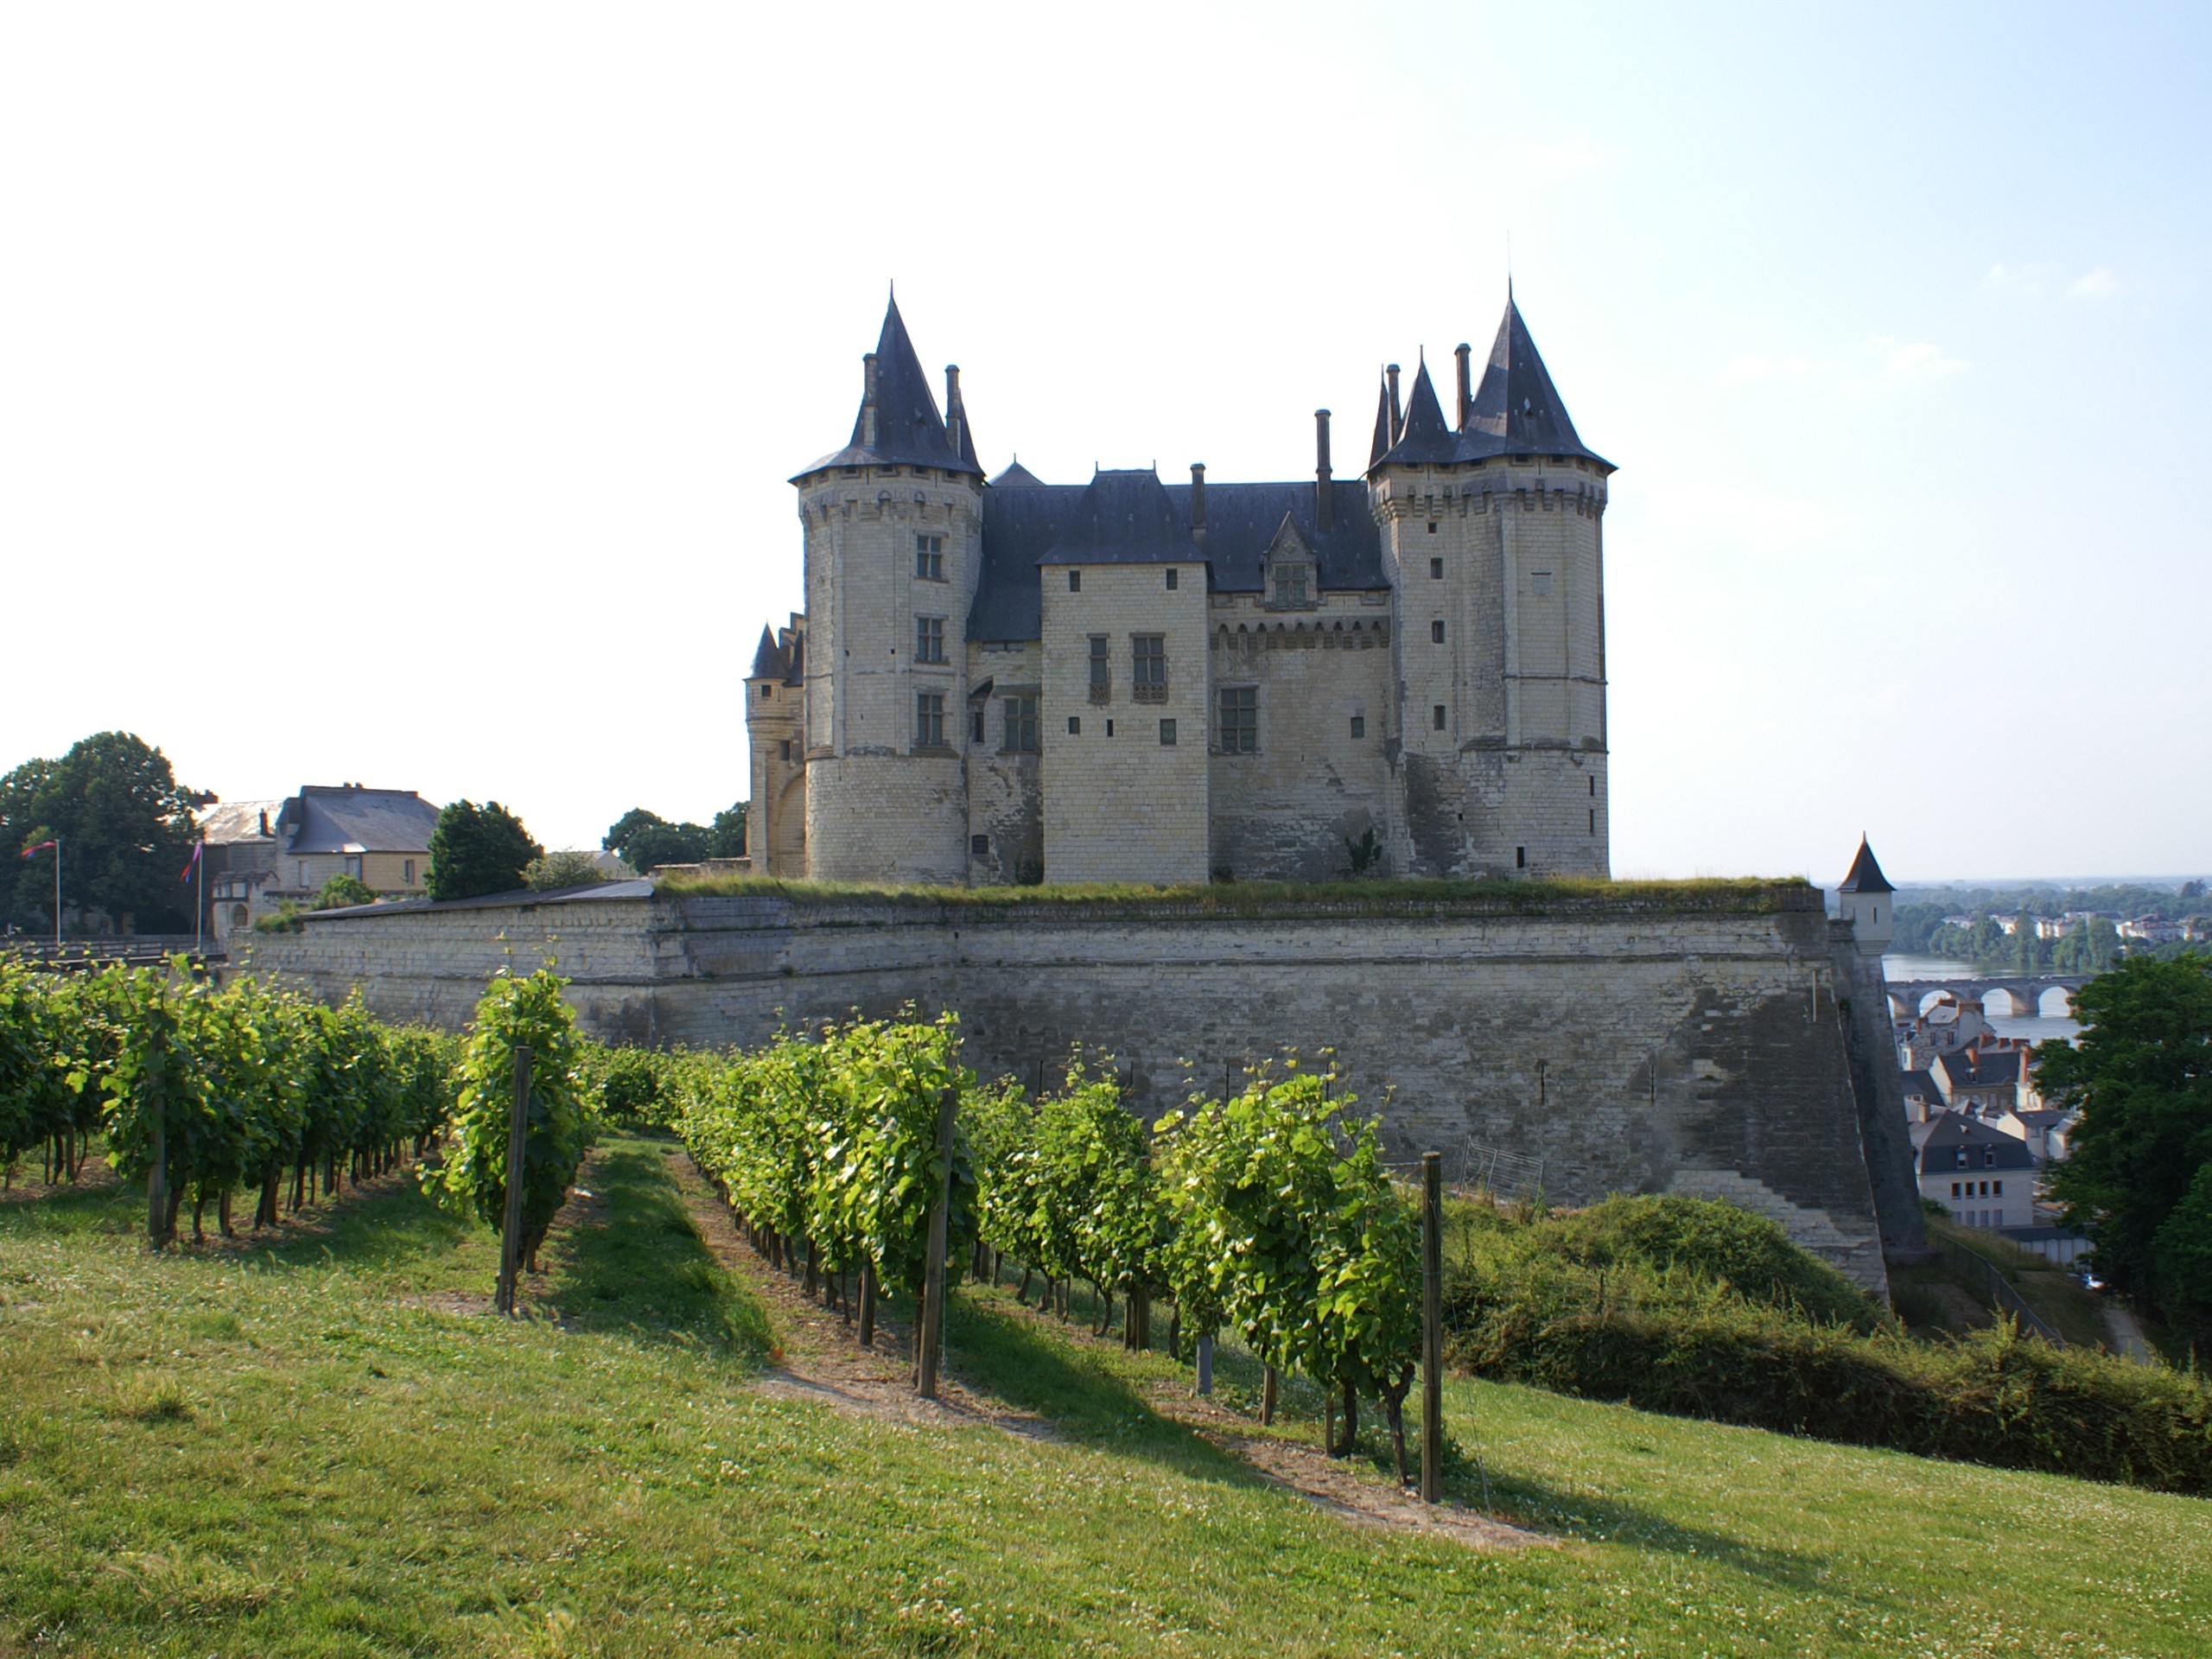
(1124, 680)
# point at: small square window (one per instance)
(1436, 632)
(1074, 725)
(1359, 724)
(1075, 581)
(979, 846)
(1542, 581)
(1167, 733)
(1436, 569)
(1432, 526)
(1436, 717)
(1172, 572)
(767, 691)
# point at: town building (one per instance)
(1984, 1177)
(1987, 1079)
(1124, 679)
(263, 855)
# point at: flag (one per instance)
(40, 848)
(192, 864)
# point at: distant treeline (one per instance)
(2093, 946)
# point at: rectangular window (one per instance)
(1075, 581)
(406, 872)
(1290, 585)
(929, 638)
(354, 865)
(1101, 684)
(979, 846)
(1436, 569)
(787, 749)
(1593, 820)
(1996, 1189)
(1359, 724)
(976, 725)
(1167, 733)
(1021, 725)
(1436, 717)
(1240, 720)
(1520, 858)
(929, 557)
(1954, 1191)
(1074, 725)
(929, 720)
(1542, 581)
(1172, 572)
(1436, 632)
(1148, 667)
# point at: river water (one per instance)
(1897, 968)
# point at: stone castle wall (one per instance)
(1697, 1048)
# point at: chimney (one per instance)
(265, 821)
(867, 404)
(956, 414)
(1199, 504)
(1397, 413)
(1325, 516)
(1466, 385)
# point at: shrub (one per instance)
(477, 850)
(342, 890)
(570, 867)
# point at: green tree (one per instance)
(342, 890)
(645, 839)
(570, 867)
(726, 835)
(478, 849)
(2141, 1075)
(126, 831)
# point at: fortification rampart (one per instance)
(1692, 1045)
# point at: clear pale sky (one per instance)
(406, 394)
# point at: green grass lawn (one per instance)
(318, 1447)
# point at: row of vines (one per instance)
(244, 1091)
(1268, 1213)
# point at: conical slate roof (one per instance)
(1426, 436)
(1517, 410)
(767, 661)
(1380, 445)
(1866, 875)
(909, 431)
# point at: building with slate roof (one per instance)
(1005, 679)
(1984, 1177)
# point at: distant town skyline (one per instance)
(411, 399)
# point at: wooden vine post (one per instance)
(1431, 1327)
(510, 1233)
(929, 1342)
(868, 1301)
(158, 1176)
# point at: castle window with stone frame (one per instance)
(1291, 584)
(1101, 676)
(929, 557)
(929, 638)
(1022, 734)
(929, 720)
(1240, 720)
(1148, 669)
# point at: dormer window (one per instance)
(1291, 583)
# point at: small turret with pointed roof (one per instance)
(1384, 437)
(1863, 899)
(1515, 410)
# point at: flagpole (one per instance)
(198, 894)
(57, 895)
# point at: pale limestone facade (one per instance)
(1405, 673)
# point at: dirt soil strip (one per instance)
(27, 1188)
(820, 1361)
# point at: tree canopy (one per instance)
(126, 831)
(644, 838)
(2138, 1177)
(478, 849)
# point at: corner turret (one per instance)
(1865, 897)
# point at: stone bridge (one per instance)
(2026, 992)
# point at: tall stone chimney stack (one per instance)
(1466, 385)
(1199, 504)
(1325, 510)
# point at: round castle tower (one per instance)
(893, 544)
(1494, 526)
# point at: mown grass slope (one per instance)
(319, 1448)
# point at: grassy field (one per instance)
(2072, 1308)
(324, 1446)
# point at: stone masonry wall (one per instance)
(1630, 1048)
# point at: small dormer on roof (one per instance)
(1288, 569)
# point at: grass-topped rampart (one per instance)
(1748, 895)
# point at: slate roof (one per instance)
(1980, 1067)
(767, 661)
(1517, 410)
(1921, 1085)
(1017, 477)
(1939, 1154)
(340, 818)
(1132, 518)
(230, 822)
(1865, 875)
(909, 431)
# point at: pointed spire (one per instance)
(963, 436)
(767, 661)
(1425, 420)
(1380, 445)
(1865, 875)
(898, 424)
(1517, 400)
